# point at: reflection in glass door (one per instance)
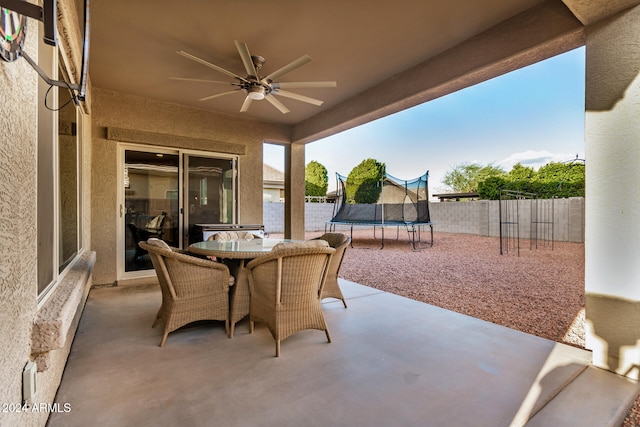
(151, 203)
(166, 193)
(210, 197)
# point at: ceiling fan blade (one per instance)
(188, 79)
(288, 68)
(300, 85)
(277, 104)
(246, 104)
(210, 65)
(218, 95)
(298, 97)
(243, 50)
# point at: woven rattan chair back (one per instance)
(285, 287)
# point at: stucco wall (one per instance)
(612, 132)
(18, 277)
(178, 127)
(19, 309)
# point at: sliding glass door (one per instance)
(210, 197)
(167, 192)
(151, 203)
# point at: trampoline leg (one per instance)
(411, 232)
(431, 226)
(416, 244)
(352, 236)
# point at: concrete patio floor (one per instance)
(393, 362)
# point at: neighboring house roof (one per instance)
(272, 177)
(456, 196)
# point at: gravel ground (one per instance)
(540, 292)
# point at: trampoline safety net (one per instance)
(399, 202)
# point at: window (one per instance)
(59, 177)
(68, 180)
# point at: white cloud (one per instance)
(534, 159)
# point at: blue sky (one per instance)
(533, 116)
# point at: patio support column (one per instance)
(612, 219)
(294, 188)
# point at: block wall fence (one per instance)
(480, 217)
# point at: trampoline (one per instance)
(399, 203)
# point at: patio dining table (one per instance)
(236, 249)
(240, 251)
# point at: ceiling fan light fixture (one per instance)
(256, 93)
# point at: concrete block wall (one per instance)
(315, 216)
(483, 218)
(456, 217)
(576, 219)
(273, 217)
(480, 217)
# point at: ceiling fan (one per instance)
(256, 86)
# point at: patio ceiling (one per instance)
(361, 44)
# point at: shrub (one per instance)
(316, 179)
(364, 183)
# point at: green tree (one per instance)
(521, 173)
(561, 180)
(316, 179)
(551, 180)
(489, 189)
(364, 183)
(465, 177)
(562, 172)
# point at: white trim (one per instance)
(121, 274)
(51, 57)
(48, 57)
(183, 214)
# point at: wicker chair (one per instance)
(339, 242)
(285, 287)
(154, 228)
(192, 288)
(239, 298)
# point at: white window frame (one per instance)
(48, 133)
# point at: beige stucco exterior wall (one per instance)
(178, 127)
(294, 194)
(612, 247)
(18, 276)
